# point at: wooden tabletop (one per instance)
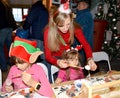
(89, 89)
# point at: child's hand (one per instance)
(8, 85)
(28, 80)
(8, 88)
(58, 80)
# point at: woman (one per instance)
(61, 32)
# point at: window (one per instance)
(18, 13)
(56, 1)
(25, 11)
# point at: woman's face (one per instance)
(65, 26)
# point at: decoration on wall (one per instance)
(108, 35)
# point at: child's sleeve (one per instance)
(62, 75)
(8, 77)
(45, 89)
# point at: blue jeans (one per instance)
(41, 46)
(5, 39)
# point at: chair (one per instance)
(54, 69)
(44, 68)
(0, 79)
(101, 56)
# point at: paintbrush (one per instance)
(87, 67)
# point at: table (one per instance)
(73, 91)
(110, 88)
(22, 93)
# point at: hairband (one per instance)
(77, 48)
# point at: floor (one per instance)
(102, 68)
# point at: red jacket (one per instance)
(50, 56)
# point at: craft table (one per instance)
(109, 88)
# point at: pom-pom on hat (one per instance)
(25, 50)
(64, 8)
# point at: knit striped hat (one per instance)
(25, 50)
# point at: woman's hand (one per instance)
(92, 64)
(9, 88)
(62, 63)
(28, 80)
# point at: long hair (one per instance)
(57, 19)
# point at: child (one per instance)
(24, 73)
(74, 71)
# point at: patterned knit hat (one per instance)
(25, 50)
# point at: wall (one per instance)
(26, 2)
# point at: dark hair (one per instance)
(14, 60)
(86, 1)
